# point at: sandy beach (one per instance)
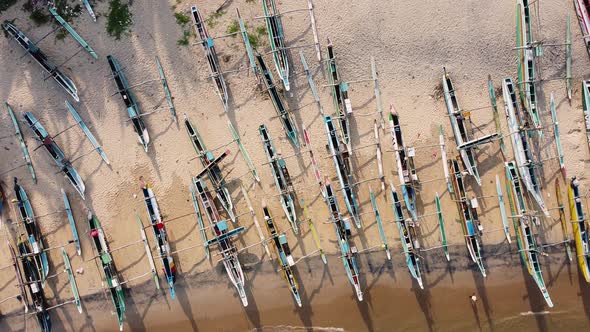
(411, 43)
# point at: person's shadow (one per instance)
(473, 301)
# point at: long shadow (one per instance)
(305, 312)
(482, 293)
(536, 300)
(364, 309)
(423, 299)
(132, 316)
(584, 293)
(184, 300)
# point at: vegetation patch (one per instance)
(118, 19)
(39, 17)
(67, 11)
(181, 18)
(185, 39)
(212, 20)
(5, 4)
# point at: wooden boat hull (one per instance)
(63, 80)
(276, 37)
(582, 12)
(580, 229)
(521, 145)
(211, 55)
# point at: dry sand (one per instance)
(411, 42)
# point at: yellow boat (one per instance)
(580, 227)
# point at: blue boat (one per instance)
(343, 170)
(133, 110)
(33, 232)
(343, 232)
(56, 153)
(281, 176)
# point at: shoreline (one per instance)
(507, 298)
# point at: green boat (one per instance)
(108, 266)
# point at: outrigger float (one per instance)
(558, 146)
(284, 256)
(343, 170)
(243, 151)
(384, 243)
(55, 152)
(72, 32)
(213, 171)
(87, 132)
(282, 112)
(527, 51)
(521, 144)
(281, 177)
(472, 229)
(348, 251)
(222, 236)
(89, 9)
(133, 110)
(465, 144)
(160, 235)
(62, 79)
(406, 169)
(23, 144)
(580, 227)
(523, 225)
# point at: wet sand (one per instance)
(411, 42)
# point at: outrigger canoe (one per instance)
(133, 110)
(339, 90)
(276, 36)
(465, 143)
(523, 225)
(278, 103)
(213, 171)
(56, 153)
(108, 266)
(580, 227)
(406, 169)
(222, 236)
(33, 232)
(469, 223)
(521, 145)
(209, 48)
(283, 253)
(526, 51)
(161, 236)
(281, 176)
(407, 234)
(34, 282)
(348, 251)
(62, 79)
(343, 170)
